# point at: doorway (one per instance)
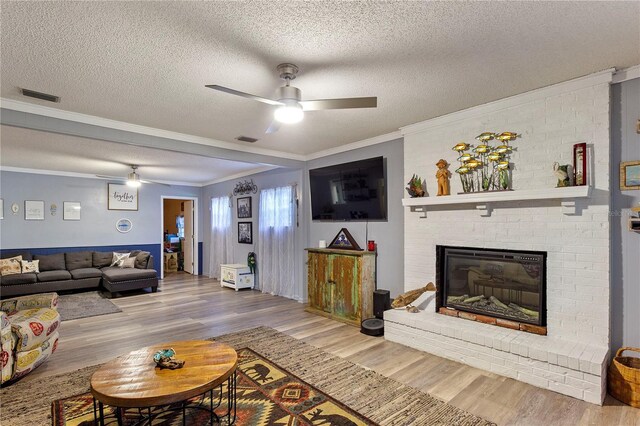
(179, 235)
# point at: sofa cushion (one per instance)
(10, 266)
(28, 278)
(78, 260)
(102, 258)
(51, 262)
(142, 259)
(78, 274)
(53, 276)
(32, 327)
(115, 274)
(25, 255)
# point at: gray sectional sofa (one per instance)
(80, 270)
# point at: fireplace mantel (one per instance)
(483, 201)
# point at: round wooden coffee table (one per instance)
(134, 381)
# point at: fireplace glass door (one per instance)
(497, 283)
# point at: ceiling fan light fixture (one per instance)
(289, 113)
(133, 180)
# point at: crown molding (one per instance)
(626, 74)
(135, 128)
(355, 145)
(87, 176)
(241, 175)
(601, 77)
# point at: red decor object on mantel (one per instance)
(580, 164)
(371, 245)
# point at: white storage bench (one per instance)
(236, 276)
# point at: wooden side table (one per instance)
(134, 381)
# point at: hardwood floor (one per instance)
(188, 307)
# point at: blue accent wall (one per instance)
(154, 249)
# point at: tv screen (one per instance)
(349, 191)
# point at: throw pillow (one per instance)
(142, 259)
(29, 266)
(118, 258)
(129, 262)
(10, 266)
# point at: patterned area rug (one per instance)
(379, 398)
(82, 305)
(267, 394)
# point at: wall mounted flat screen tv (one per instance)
(354, 191)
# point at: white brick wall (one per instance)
(551, 120)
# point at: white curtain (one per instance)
(276, 242)
(221, 245)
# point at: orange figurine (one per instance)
(443, 177)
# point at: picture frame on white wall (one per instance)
(122, 197)
(71, 210)
(33, 210)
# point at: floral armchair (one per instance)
(29, 333)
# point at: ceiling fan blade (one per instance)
(273, 127)
(244, 95)
(320, 104)
(153, 182)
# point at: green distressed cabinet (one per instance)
(341, 283)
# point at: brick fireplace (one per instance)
(505, 288)
(572, 357)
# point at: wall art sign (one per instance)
(33, 210)
(122, 197)
(124, 225)
(70, 210)
(245, 232)
(244, 207)
(630, 175)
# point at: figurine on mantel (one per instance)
(562, 173)
(443, 175)
(416, 187)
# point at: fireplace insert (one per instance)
(497, 283)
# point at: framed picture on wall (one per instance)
(630, 175)
(70, 210)
(245, 232)
(244, 207)
(122, 197)
(33, 210)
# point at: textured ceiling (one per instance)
(63, 153)
(147, 62)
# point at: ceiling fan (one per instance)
(291, 108)
(133, 178)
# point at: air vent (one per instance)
(40, 95)
(246, 139)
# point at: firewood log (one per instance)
(408, 297)
(525, 311)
